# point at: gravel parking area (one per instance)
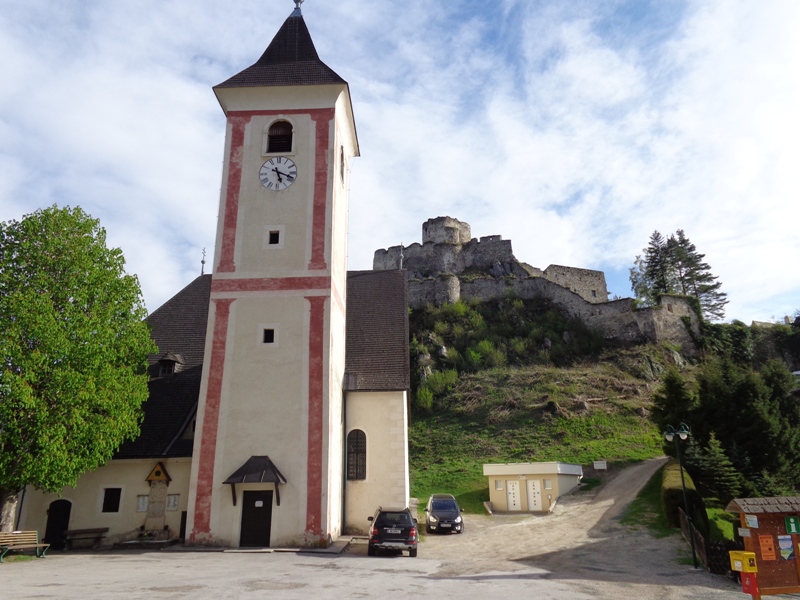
(579, 552)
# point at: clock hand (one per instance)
(279, 173)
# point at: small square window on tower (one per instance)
(268, 335)
(274, 236)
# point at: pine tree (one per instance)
(652, 273)
(719, 475)
(696, 278)
(673, 402)
(660, 265)
(674, 266)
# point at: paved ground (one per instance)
(580, 552)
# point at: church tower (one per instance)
(267, 466)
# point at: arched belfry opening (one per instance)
(279, 137)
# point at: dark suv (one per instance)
(393, 529)
(443, 514)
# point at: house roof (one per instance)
(377, 331)
(178, 327)
(376, 354)
(754, 506)
(290, 59)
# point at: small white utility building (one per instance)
(530, 487)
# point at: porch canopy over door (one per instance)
(257, 469)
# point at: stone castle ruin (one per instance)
(451, 265)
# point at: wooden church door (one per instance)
(256, 518)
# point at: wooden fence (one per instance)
(713, 555)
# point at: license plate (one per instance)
(393, 531)
(446, 525)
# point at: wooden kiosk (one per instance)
(770, 528)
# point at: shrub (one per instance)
(456, 309)
(424, 398)
(440, 382)
(441, 328)
(491, 356)
(474, 359)
(672, 498)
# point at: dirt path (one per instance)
(582, 540)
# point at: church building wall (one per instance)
(383, 417)
(87, 499)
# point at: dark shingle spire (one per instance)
(290, 59)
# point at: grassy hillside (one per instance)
(573, 414)
(516, 381)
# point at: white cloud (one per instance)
(573, 129)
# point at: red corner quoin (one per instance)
(205, 473)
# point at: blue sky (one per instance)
(573, 129)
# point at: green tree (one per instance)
(674, 266)
(753, 417)
(673, 402)
(73, 346)
(719, 475)
(652, 274)
(695, 278)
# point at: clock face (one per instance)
(278, 173)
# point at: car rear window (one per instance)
(393, 519)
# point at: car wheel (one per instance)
(370, 550)
(412, 553)
(428, 529)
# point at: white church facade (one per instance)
(278, 404)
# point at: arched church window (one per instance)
(279, 137)
(356, 455)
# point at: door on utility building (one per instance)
(256, 518)
(512, 495)
(534, 494)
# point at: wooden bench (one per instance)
(21, 540)
(96, 534)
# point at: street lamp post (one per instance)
(681, 434)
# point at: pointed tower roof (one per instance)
(290, 59)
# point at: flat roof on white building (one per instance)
(533, 468)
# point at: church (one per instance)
(278, 406)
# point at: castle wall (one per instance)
(618, 320)
(450, 266)
(429, 259)
(445, 230)
(590, 284)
